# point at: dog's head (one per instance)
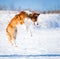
(34, 16)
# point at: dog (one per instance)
(12, 29)
(18, 19)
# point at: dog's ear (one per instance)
(36, 14)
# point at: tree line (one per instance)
(11, 7)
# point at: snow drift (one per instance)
(45, 39)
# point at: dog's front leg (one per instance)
(30, 33)
(27, 28)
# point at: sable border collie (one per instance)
(18, 19)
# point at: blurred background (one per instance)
(40, 5)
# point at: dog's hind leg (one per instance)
(10, 38)
(14, 35)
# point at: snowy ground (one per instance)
(45, 36)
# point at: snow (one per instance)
(45, 37)
(49, 20)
